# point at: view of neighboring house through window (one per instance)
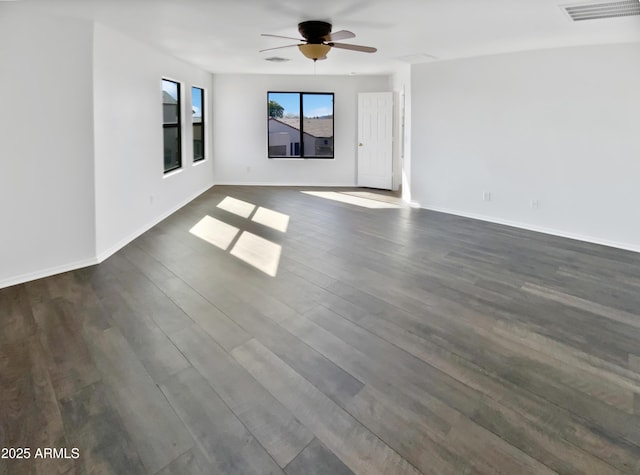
(300, 124)
(197, 108)
(171, 125)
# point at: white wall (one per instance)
(559, 126)
(240, 129)
(132, 193)
(46, 146)
(401, 84)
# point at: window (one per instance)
(293, 137)
(197, 111)
(171, 125)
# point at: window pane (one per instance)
(171, 125)
(170, 101)
(284, 124)
(197, 108)
(318, 125)
(171, 148)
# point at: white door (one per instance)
(375, 140)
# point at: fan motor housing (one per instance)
(314, 31)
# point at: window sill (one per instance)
(172, 173)
(300, 159)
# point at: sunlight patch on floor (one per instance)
(353, 200)
(250, 248)
(237, 207)
(376, 197)
(215, 232)
(258, 252)
(272, 219)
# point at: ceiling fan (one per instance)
(318, 40)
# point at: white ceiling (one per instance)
(223, 36)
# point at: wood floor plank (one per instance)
(268, 420)
(398, 298)
(16, 315)
(316, 459)
(389, 340)
(353, 443)
(192, 462)
(459, 397)
(634, 363)
(29, 414)
(223, 439)
(159, 356)
(611, 389)
(86, 303)
(325, 375)
(306, 272)
(158, 434)
(222, 329)
(612, 274)
(95, 428)
(619, 394)
(71, 366)
(614, 314)
(416, 438)
(456, 396)
(518, 417)
(142, 295)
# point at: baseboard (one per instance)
(143, 229)
(42, 273)
(539, 229)
(296, 184)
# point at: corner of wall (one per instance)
(49, 224)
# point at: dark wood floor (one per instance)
(391, 340)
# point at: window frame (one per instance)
(300, 142)
(177, 125)
(202, 124)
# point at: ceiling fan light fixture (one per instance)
(314, 51)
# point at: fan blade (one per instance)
(277, 47)
(285, 37)
(339, 35)
(362, 49)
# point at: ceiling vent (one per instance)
(277, 59)
(598, 11)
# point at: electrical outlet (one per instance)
(486, 196)
(535, 204)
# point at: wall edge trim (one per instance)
(102, 256)
(317, 185)
(48, 272)
(531, 227)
